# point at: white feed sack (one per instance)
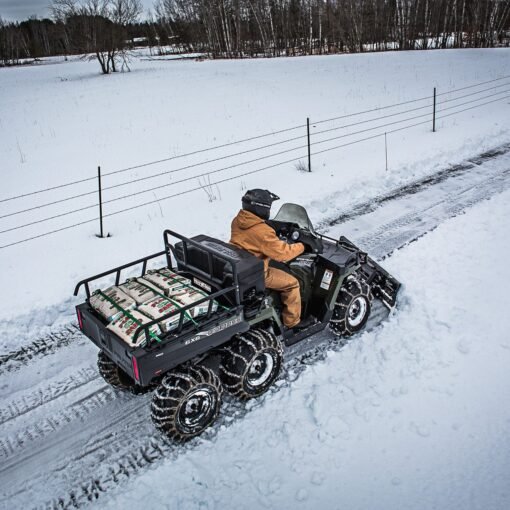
(125, 327)
(138, 290)
(158, 307)
(191, 296)
(171, 283)
(107, 309)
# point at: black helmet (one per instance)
(258, 201)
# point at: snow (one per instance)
(59, 121)
(413, 414)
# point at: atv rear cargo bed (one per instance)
(189, 339)
(144, 364)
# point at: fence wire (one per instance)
(303, 156)
(235, 142)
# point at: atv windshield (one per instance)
(293, 213)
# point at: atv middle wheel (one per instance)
(186, 402)
(251, 363)
(116, 377)
(352, 308)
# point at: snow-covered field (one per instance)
(411, 414)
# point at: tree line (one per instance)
(237, 28)
(107, 29)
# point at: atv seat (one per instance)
(226, 259)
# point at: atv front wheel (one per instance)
(186, 402)
(251, 363)
(352, 308)
(116, 377)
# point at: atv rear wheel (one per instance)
(186, 402)
(251, 363)
(352, 308)
(116, 377)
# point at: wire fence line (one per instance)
(235, 142)
(236, 165)
(201, 163)
(187, 167)
(472, 93)
(42, 206)
(474, 85)
(473, 107)
(474, 100)
(126, 183)
(310, 144)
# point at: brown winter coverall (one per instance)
(252, 234)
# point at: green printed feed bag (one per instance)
(191, 296)
(158, 307)
(126, 326)
(171, 283)
(137, 290)
(106, 308)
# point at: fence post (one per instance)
(386, 150)
(434, 113)
(308, 134)
(100, 202)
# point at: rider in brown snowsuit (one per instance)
(251, 233)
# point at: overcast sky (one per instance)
(18, 10)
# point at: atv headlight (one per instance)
(295, 235)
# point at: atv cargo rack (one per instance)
(184, 266)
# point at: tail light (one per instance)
(80, 320)
(135, 368)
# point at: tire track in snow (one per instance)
(126, 459)
(384, 242)
(51, 392)
(22, 440)
(40, 347)
(412, 188)
(119, 441)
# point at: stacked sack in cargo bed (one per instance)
(119, 309)
(180, 289)
(141, 300)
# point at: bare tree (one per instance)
(98, 27)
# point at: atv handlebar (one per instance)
(293, 233)
(310, 241)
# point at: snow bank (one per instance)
(59, 121)
(414, 414)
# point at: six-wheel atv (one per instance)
(237, 343)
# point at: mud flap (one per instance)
(384, 286)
